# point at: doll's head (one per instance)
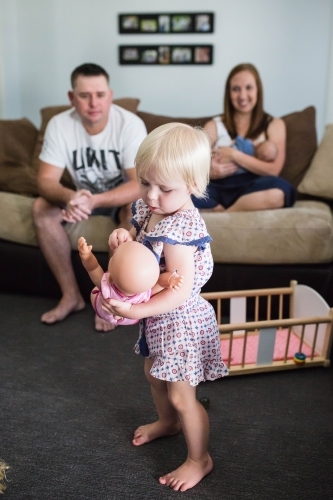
(176, 151)
(133, 268)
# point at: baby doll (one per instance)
(133, 276)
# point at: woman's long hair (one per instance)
(259, 119)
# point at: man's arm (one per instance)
(49, 186)
(75, 203)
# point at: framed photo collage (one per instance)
(166, 54)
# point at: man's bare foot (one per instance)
(188, 474)
(63, 309)
(149, 432)
(103, 326)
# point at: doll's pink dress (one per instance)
(183, 343)
(110, 291)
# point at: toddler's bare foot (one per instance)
(187, 475)
(63, 309)
(103, 326)
(149, 432)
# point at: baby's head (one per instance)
(133, 268)
(266, 151)
(176, 151)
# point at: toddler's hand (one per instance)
(118, 308)
(119, 236)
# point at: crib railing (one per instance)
(266, 293)
(311, 333)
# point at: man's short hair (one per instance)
(88, 69)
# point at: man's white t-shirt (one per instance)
(96, 162)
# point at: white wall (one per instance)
(10, 81)
(290, 42)
(329, 89)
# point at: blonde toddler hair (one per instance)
(176, 151)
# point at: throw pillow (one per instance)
(301, 144)
(17, 142)
(318, 180)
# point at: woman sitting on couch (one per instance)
(242, 177)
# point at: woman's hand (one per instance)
(218, 169)
(119, 236)
(224, 154)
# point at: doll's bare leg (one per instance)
(55, 245)
(168, 421)
(101, 325)
(195, 424)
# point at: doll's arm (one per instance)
(168, 280)
(90, 262)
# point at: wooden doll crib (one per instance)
(273, 329)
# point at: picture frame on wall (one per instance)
(166, 23)
(164, 54)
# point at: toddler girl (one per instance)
(178, 331)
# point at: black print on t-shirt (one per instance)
(89, 159)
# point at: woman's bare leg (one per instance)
(259, 200)
(195, 424)
(168, 421)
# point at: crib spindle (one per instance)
(219, 311)
(314, 341)
(280, 305)
(287, 345)
(244, 348)
(269, 307)
(231, 338)
(301, 339)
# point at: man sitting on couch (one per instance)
(97, 141)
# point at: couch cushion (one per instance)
(301, 144)
(16, 224)
(17, 141)
(318, 180)
(302, 234)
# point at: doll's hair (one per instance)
(176, 151)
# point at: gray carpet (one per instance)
(71, 398)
